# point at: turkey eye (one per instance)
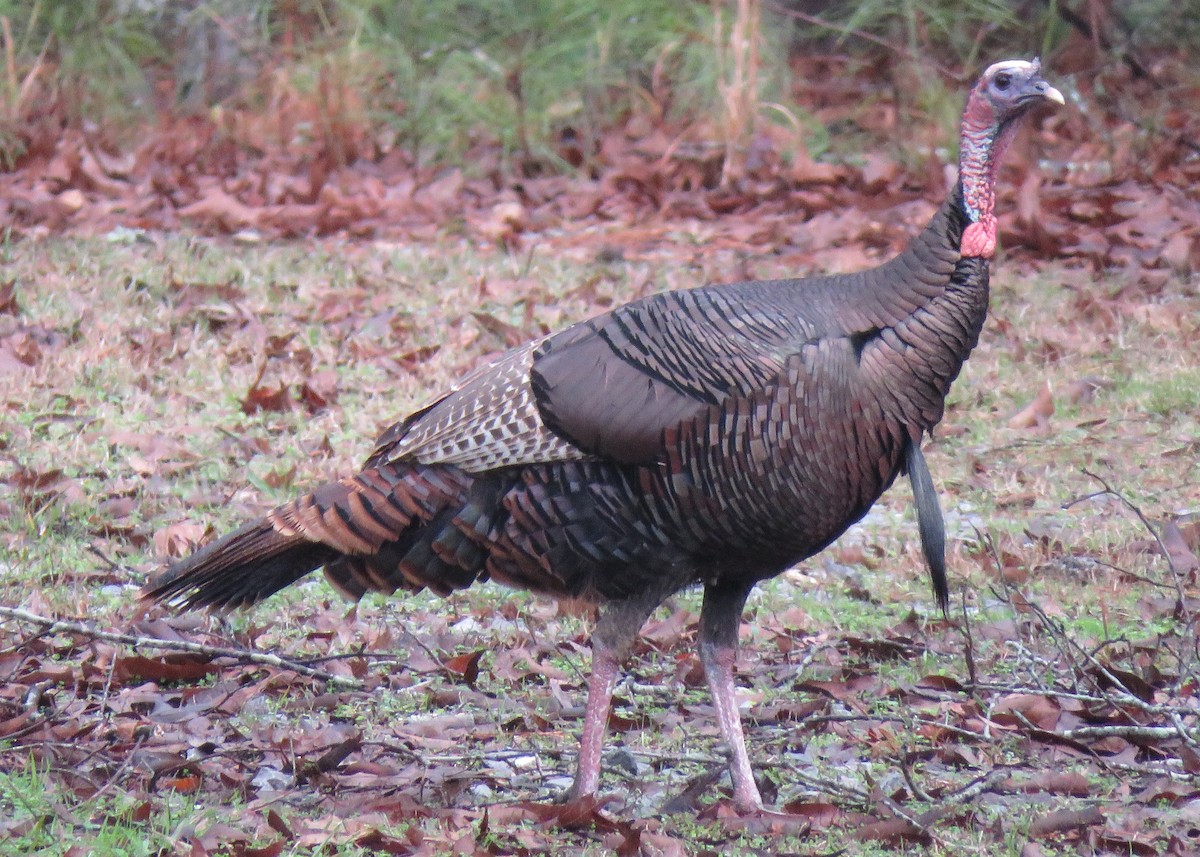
(1002, 81)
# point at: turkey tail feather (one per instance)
(238, 570)
(387, 527)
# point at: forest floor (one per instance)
(173, 363)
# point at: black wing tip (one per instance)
(184, 587)
(930, 523)
(942, 593)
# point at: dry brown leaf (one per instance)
(1183, 558)
(71, 200)
(179, 539)
(1064, 820)
(509, 334)
(183, 785)
(892, 830)
(1083, 390)
(1017, 709)
(1037, 413)
(465, 666)
(166, 669)
(806, 171)
(216, 207)
(319, 390)
(8, 298)
(504, 222)
(879, 171)
(267, 397)
(441, 196)
(1052, 782)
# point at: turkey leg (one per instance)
(719, 620)
(611, 642)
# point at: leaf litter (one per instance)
(432, 728)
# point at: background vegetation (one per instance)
(538, 78)
(239, 238)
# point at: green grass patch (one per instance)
(129, 420)
(542, 80)
(43, 819)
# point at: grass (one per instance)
(944, 28)
(147, 351)
(541, 80)
(112, 826)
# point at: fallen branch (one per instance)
(245, 656)
(1130, 733)
(1172, 768)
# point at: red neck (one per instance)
(983, 143)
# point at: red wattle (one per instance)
(979, 239)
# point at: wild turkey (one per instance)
(708, 437)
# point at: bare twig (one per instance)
(983, 783)
(1068, 645)
(1034, 690)
(906, 770)
(122, 768)
(1187, 617)
(1149, 581)
(59, 626)
(1101, 41)
(245, 445)
(1131, 506)
(681, 758)
(1172, 768)
(1138, 68)
(104, 558)
(1128, 732)
(969, 648)
(922, 822)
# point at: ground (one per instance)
(161, 385)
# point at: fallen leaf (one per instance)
(179, 539)
(219, 208)
(8, 298)
(1064, 820)
(1183, 560)
(1037, 413)
(319, 390)
(71, 200)
(266, 397)
(1018, 708)
(183, 785)
(465, 666)
(1051, 782)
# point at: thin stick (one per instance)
(59, 626)
(1129, 504)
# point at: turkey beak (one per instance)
(1039, 89)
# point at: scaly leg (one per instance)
(719, 619)
(611, 642)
